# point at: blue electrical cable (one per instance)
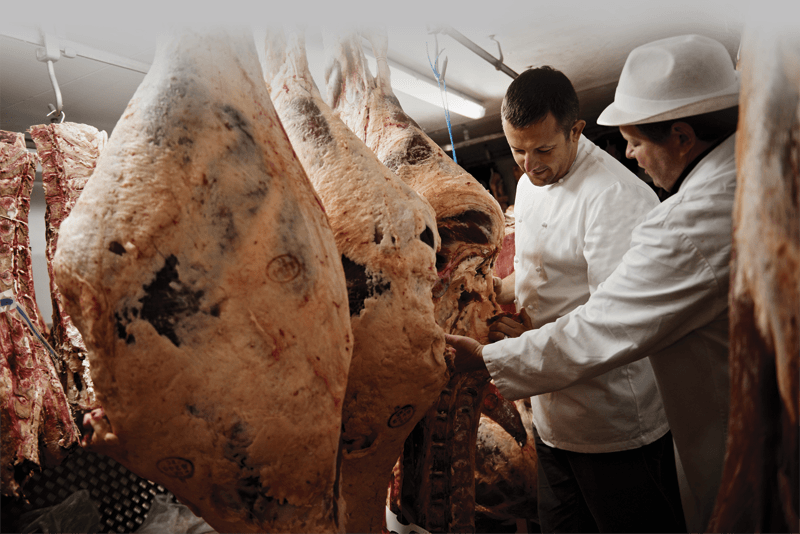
(439, 82)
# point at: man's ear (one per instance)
(684, 136)
(577, 130)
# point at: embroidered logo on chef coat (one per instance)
(176, 467)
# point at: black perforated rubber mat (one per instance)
(122, 498)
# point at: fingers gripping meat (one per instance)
(200, 269)
(386, 235)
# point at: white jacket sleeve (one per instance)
(662, 290)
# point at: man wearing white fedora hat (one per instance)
(668, 299)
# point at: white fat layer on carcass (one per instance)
(398, 367)
(201, 270)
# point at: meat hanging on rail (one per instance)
(387, 237)
(68, 152)
(202, 273)
(437, 469)
(37, 426)
(760, 487)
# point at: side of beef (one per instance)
(68, 152)
(37, 426)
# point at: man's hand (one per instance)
(504, 288)
(468, 353)
(506, 327)
(98, 436)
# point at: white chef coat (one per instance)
(570, 235)
(667, 299)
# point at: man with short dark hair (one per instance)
(668, 298)
(605, 452)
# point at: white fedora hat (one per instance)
(673, 78)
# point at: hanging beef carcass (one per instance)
(438, 490)
(760, 488)
(200, 268)
(69, 153)
(387, 237)
(37, 426)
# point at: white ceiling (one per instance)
(588, 41)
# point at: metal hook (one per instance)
(54, 110)
(435, 66)
(436, 52)
(50, 53)
(59, 101)
(499, 50)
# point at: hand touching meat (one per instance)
(504, 288)
(98, 436)
(468, 353)
(510, 326)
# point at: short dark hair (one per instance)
(707, 126)
(537, 92)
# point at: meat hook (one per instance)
(50, 53)
(499, 51)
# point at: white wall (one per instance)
(36, 232)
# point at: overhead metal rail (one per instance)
(483, 54)
(71, 49)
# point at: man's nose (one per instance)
(530, 163)
(629, 151)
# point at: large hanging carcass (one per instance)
(760, 488)
(200, 268)
(438, 466)
(387, 237)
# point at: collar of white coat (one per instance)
(719, 156)
(579, 154)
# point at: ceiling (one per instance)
(588, 41)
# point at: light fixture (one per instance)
(415, 84)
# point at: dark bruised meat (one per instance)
(428, 238)
(168, 301)
(417, 150)
(116, 248)
(360, 286)
(468, 227)
(316, 127)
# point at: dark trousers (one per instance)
(625, 491)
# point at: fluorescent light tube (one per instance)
(414, 84)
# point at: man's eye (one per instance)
(544, 150)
